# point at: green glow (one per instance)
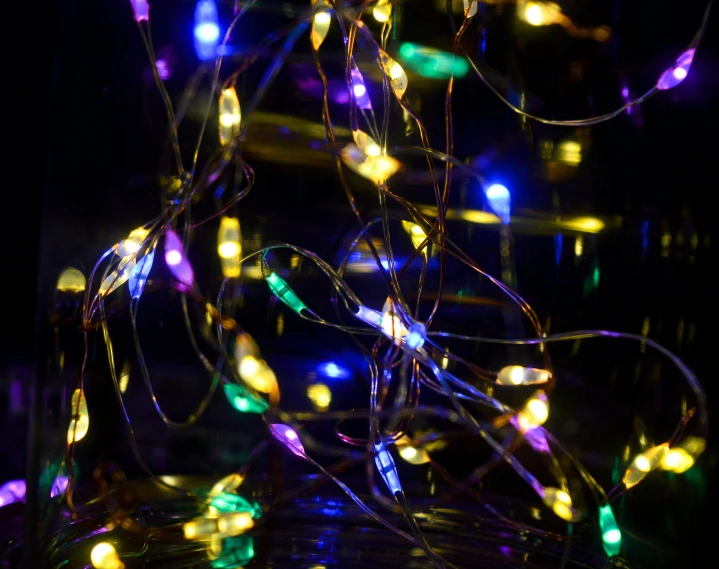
(243, 400)
(611, 536)
(227, 503)
(432, 63)
(236, 552)
(283, 291)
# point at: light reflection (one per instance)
(333, 370)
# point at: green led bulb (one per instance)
(227, 503)
(283, 291)
(433, 63)
(243, 400)
(611, 536)
(236, 552)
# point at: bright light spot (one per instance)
(497, 191)
(331, 369)
(680, 73)
(228, 249)
(323, 18)
(162, 69)
(320, 396)
(249, 366)
(517, 375)
(359, 90)
(396, 71)
(613, 536)
(104, 556)
(173, 257)
(642, 464)
(207, 32)
(533, 14)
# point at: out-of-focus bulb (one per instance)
(366, 143)
(229, 247)
(412, 454)
(359, 90)
(382, 11)
(320, 396)
(71, 280)
(288, 437)
(207, 29)
(257, 374)
(200, 528)
(682, 457)
(534, 413)
(541, 13)
(416, 336)
(499, 200)
(234, 524)
(230, 116)
(80, 419)
(470, 7)
(104, 556)
(378, 169)
(561, 504)
(643, 464)
(518, 375)
(141, 10)
(416, 234)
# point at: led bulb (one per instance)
(470, 8)
(200, 528)
(288, 437)
(227, 484)
(207, 29)
(141, 10)
(499, 201)
(518, 375)
(118, 277)
(229, 246)
(283, 291)
(79, 418)
(416, 234)
(230, 116)
(175, 258)
(133, 243)
(359, 90)
(71, 280)
(104, 556)
(534, 413)
(320, 24)
(243, 400)
(387, 469)
(382, 11)
(257, 374)
(561, 504)
(611, 536)
(676, 74)
(234, 524)
(139, 274)
(393, 70)
(366, 143)
(411, 454)
(643, 464)
(541, 13)
(320, 396)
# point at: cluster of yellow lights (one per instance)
(104, 556)
(676, 459)
(377, 168)
(80, 419)
(229, 247)
(560, 503)
(534, 413)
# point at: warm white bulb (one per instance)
(323, 18)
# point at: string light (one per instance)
(406, 359)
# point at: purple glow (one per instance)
(359, 90)
(177, 263)
(141, 9)
(59, 486)
(12, 491)
(625, 92)
(678, 72)
(288, 437)
(163, 69)
(535, 437)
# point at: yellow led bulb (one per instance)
(561, 504)
(393, 70)
(79, 419)
(366, 143)
(534, 413)
(382, 11)
(230, 116)
(320, 25)
(519, 375)
(104, 556)
(132, 244)
(643, 464)
(229, 247)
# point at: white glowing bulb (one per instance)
(173, 257)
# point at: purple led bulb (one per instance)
(676, 74)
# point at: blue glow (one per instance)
(645, 235)
(331, 369)
(417, 333)
(499, 200)
(385, 264)
(207, 29)
(139, 274)
(558, 246)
